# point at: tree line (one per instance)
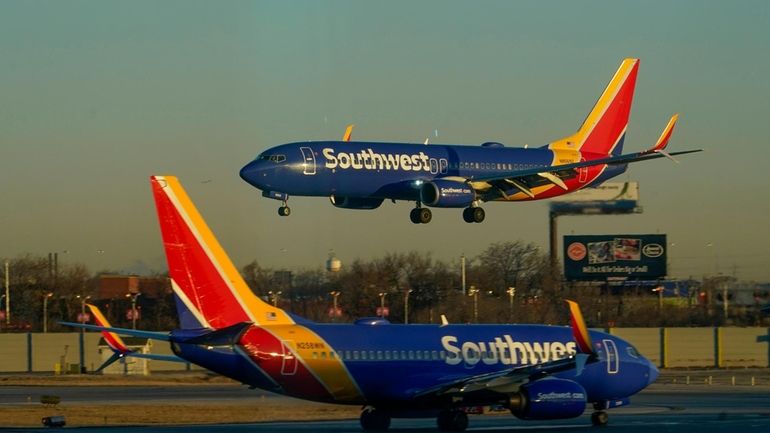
(509, 282)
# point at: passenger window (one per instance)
(379, 354)
(323, 355)
(355, 354)
(419, 354)
(363, 355)
(411, 354)
(315, 355)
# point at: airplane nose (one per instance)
(654, 373)
(250, 173)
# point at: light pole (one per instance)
(724, 298)
(7, 294)
(406, 306)
(462, 271)
(133, 307)
(335, 294)
(475, 293)
(83, 300)
(274, 296)
(46, 297)
(659, 289)
(382, 303)
(511, 293)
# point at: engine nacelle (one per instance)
(356, 202)
(447, 193)
(549, 398)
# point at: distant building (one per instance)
(118, 286)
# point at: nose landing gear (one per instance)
(284, 210)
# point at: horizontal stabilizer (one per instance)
(221, 337)
(162, 336)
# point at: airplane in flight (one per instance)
(538, 372)
(119, 349)
(361, 175)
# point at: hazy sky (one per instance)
(96, 96)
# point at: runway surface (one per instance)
(662, 408)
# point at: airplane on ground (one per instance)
(361, 175)
(538, 372)
(119, 348)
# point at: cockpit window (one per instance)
(632, 351)
(275, 157)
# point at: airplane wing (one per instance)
(507, 381)
(526, 179)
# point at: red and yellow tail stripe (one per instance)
(112, 339)
(579, 329)
(606, 123)
(210, 287)
(199, 266)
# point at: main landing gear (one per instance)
(448, 420)
(420, 215)
(473, 214)
(600, 418)
(374, 420)
(452, 420)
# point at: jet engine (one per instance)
(356, 202)
(548, 398)
(447, 193)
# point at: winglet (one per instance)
(666, 134)
(348, 132)
(579, 329)
(113, 340)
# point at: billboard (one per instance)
(607, 198)
(608, 191)
(598, 257)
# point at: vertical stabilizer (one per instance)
(205, 281)
(604, 129)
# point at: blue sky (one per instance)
(97, 96)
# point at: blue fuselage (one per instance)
(396, 364)
(385, 170)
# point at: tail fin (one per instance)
(604, 130)
(112, 339)
(207, 285)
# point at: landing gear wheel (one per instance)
(284, 211)
(600, 418)
(413, 215)
(420, 215)
(374, 420)
(452, 420)
(473, 214)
